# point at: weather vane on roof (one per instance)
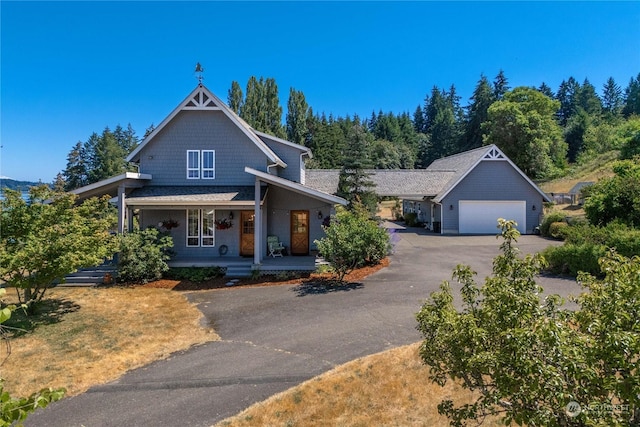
(199, 71)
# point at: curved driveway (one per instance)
(276, 337)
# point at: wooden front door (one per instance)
(299, 232)
(247, 230)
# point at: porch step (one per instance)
(238, 271)
(89, 276)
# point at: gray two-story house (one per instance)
(219, 187)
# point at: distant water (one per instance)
(25, 196)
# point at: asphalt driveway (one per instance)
(276, 337)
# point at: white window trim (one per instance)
(212, 169)
(200, 235)
(198, 168)
(195, 168)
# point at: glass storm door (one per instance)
(299, 232)
(247, 229)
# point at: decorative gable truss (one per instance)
(494, 154)
(201, 101)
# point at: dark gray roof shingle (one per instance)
(186, 194)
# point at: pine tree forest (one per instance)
(542, 131)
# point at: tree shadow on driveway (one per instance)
(325, 286)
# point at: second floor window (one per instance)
(201, 164)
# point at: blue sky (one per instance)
(69, 69)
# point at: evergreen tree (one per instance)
(76, 174)
(441, 123)
(546, 90)
(355, 184)
(273, 117)
(126, 138)
(632, 97)
(59, 183)
(500, 86)
(567, 95)
(108, 157)
(612, 98)
(234, 97)
(418, 121)
(481, 100)
(574, 133)
(588, 100)
(297, 117)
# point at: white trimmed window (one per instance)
(200, 227)
(201, 164)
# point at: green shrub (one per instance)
(195, 274)
(411, 219)
(571, 259)
(353, 240)
(558, 230)
(143, 256)
(550, 219)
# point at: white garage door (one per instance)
(481, 216)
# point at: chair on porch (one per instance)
(275, 246)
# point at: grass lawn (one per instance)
(88, 336)
(385, 389)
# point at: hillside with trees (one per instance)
(543, 131)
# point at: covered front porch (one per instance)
(237, 266)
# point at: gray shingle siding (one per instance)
(281, 202)
(492, 180)
(165, 157)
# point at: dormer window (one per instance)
(201, 164)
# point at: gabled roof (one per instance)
(299, 147)
(462, 164)
(436, 181)
(296, 187)
(202, 98)
(403, 183)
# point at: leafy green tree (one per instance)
(534, 363)
(49, 237)
(261, 107)
(617, 197)
(143, 255)
(298, 114)
(523, 126)
(385, 155)
(107, 158)
(632, 97)
(355, 184)
(353, 240)
(234, 97)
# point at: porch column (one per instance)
(257, 224)
(121, 209)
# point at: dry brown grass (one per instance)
(386, 389)
(94, 335)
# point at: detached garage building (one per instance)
(461, 194)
